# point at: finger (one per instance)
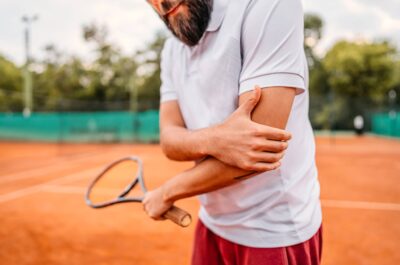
(273, 146)
(272, 133)
(268, 157)
(248, 106)
(159, 218)
(262, 167)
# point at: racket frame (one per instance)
(121, 197)
(174, 214)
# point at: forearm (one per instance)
(212, 174)
(178, 142)
(238, 141)
(207, 176)
(181, 144)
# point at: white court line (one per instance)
(57, 167)
(62, 180)
(47, 187)
(45, 169)
(79, 190)
(51, 187)
(64, 189)
(361, 205)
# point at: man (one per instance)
(259, 195)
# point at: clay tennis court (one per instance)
(44, 220)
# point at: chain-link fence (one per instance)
(81, 127)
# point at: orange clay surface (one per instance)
(44, 219)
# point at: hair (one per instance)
(190, 27)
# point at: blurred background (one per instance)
(62, 60)
(73, 73)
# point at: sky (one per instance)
(133, 23)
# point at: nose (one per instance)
(156, 5)
(163, 7)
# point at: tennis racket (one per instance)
(124, 175)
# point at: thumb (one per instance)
(248, 106)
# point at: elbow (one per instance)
(166, 149)
(170, 155)
(169, 151)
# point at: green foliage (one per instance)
(110, 81)
(58, 81)
(149, 82)
(359, 76)
(395, 84)
(360, 70)
(352, 78)
(320, 110)
(313, 26)
(320, 97)
(10, 86)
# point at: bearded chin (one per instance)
(190, 28)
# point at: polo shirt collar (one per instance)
(217, 14)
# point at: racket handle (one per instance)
(178, 216)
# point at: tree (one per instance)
(149, 82)
(10, 86)
(360, 75)
(313, 26)
(395, 84)
(110, 75)
(58, 81)
(318, 85)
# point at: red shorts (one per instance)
(210, 249)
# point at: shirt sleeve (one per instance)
(272, 45)
(167, 91)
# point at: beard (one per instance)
(190, 27)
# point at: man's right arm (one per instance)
(212, 174)
(238, 141)
(177, 142)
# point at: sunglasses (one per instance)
(166, 7)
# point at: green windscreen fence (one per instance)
(118, 126)
(81, 127)
(386, 124)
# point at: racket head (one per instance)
(114, 183)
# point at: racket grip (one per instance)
(178, 216)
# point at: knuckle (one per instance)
(247, 166)
(279, 156)
(256, 131)
(254, 157)
(250, 156)
(266, 168)
(270, 167)
(254, 146)
(242, 164)
(275, 158)
(282, 146)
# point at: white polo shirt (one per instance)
(248, 43)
